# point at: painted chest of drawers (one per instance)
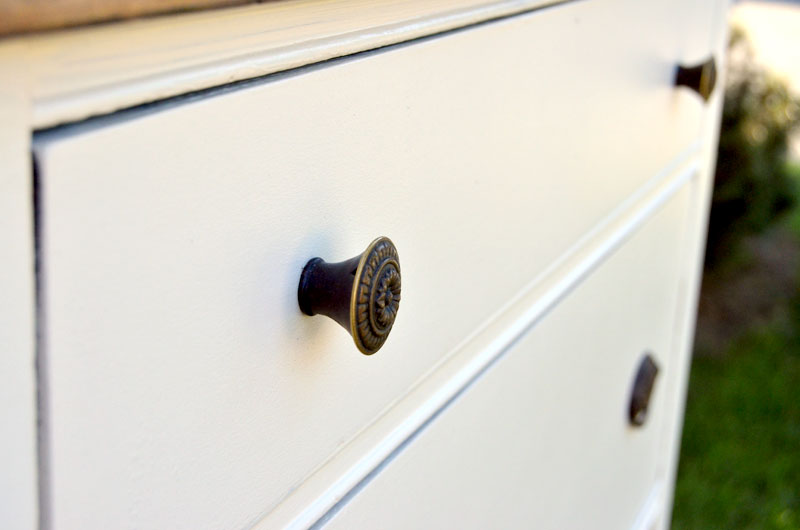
(166, 180)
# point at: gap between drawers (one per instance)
(332, 484)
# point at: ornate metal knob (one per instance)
(362, 293)
(642, 390)
(701, 78)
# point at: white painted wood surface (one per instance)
(377, 442)
(18, 448)
(542, 439)
(101, 69)
(96, 70)
(693, 264)
(174, 239)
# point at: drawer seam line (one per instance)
(618, 227)
(40, 352)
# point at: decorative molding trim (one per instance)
(101, 69)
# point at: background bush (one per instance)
(752, 184)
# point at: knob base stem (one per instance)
(324, 285)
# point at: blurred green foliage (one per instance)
(740, 454)
(752, 184)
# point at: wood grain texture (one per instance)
(20, 16)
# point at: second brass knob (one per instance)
(362, 293)
(700, 77)
(642, 390)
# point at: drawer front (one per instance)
(174, 236)
(543, 440)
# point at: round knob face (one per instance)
(376, 295)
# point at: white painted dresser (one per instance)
(164, 181)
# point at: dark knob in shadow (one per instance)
(701, 77)
(362, 293)
(642, 390)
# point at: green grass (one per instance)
(740, 454)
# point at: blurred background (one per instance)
(740, 454)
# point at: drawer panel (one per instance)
(542, 440)
(173, 239)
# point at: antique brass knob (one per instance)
(701, 78)
(642, 390)
(362, 293)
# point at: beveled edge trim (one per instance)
(80, 73)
